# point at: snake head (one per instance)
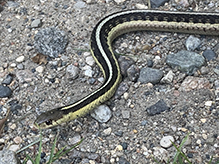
(49, 119)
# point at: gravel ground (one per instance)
(131, 135)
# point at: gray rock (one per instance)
(209, 55)
(13, 4)
(133, 73)
(166, 141)
(126, 114)
(7, 80)
(79, 5)
(102, 113)
(157, 108)
(51, 41)
(150, 75)
(192, 43)
(157, 3)
(122, 160)
(186, 61)
(5, 91)
(72, 72)
(36, 23)
(8, 157)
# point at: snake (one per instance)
(102, 36)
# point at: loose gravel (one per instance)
(35, 80)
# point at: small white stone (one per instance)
(88, 73)
(107, 131)
(2, 140)
(203, 120)
(208, 103)
(14, 148)
(40, 69)
(13, 126)
(124, 45)
(119, 1)
(119, 148)
(101, 79)
(141, 6)
(20, 59)
(90, 60)
(87, 54)
(126, 95)
(166, 141)
(205, 136)
(46, 80)
(102, 113)
(92, 162)
(13, 65)
(199, 141)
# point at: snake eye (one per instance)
(49, 122)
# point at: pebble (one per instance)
(17, 140)
(133, 73)
(40, 69)
(74, 140)
(166, 141)
(8, 79)
(14, 147)
(198, 141)
(150, 75)
(208, 103)
(119, 1)
(13, 126)
(20, 59)
(192, 83)
(88, 71)
(125, 63)
(188, 141)
(102, 113)
(157, 108)
(161, 154)
(119, 147)
(126, 114)
(79, 5)
(192, 43)
(107, 132)
(204, 70)
(126, 95)
(12, 4)
(209, 55)
(72, 72)
(36, 23)
(20, 66)
(185, 61)
(168, 78)
(190, 155)
(123, 87)
(90, 61)
(51, 41)
(5, 91)
(122, 160)
(13, 65)
(203, 120)
(8, 157)
(157, 3)
(205, 136)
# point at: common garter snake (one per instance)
(102, 36)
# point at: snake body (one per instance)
(102, 37)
